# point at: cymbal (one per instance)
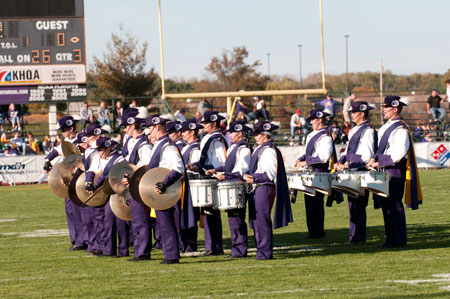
(134, 183)
(56, 183)
(116, 175)
(69, 149)
(72, 188)
(69, 166)
(154, 200)
(96, 199)
(107, 187)
(80, 187)
(120, 207)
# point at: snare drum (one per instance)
(295, 181)
(203, 193)
(376, 182)
(347, 182)
(230, 195)
(318, 181)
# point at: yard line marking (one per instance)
(7, 220)
(39, 233)
(441, 278)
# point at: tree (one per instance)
(233, 73)
(123, 69)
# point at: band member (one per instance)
(67, 126)
(319, 148)
(87, 213)
(395, 155)
(174, 130)
(190, 215)
(361, 147)
(165, 154)
(268, 176)
(113, 226)
(137, 151)
(94, 214)
(213, 147)
(236, 165)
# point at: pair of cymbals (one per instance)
(117, 173)
(143, 185)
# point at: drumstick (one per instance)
(371, 168)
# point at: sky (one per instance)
(407, 35)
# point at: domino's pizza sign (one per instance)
(441, 154)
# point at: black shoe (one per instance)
(217, 253)
(138, 259)
(315, 236)
(170, 262)
(77, 248)
(97, 252)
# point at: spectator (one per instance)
(434, 106)
(47, 146)
(259, 109)
(179, 115)
(17, 142)
(85, 113)
(2, 122)
(298, 124)
(118, 112)
(329, 105)
(133, 104)
(14, 117)
(346, 107)
(345, 130)
(240, 106)
(4, 138)
(198, 116)
(9, 152)
(93, 119)
(103, 114)
(203, 106)
(335, 132)
(32, 145)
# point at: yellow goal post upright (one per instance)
(231, 104)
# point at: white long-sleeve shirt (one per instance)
(323, 148)
(267, 162)
(143, 152)
(170, 157)
(398, 141)
(216, 154)
(243, 155)
(366, 143)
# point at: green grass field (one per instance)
(35, 261)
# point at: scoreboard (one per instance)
(42, 50)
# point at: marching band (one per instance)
(167, 182)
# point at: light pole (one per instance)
(300, 60)
(268, 67)
(346, 60)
